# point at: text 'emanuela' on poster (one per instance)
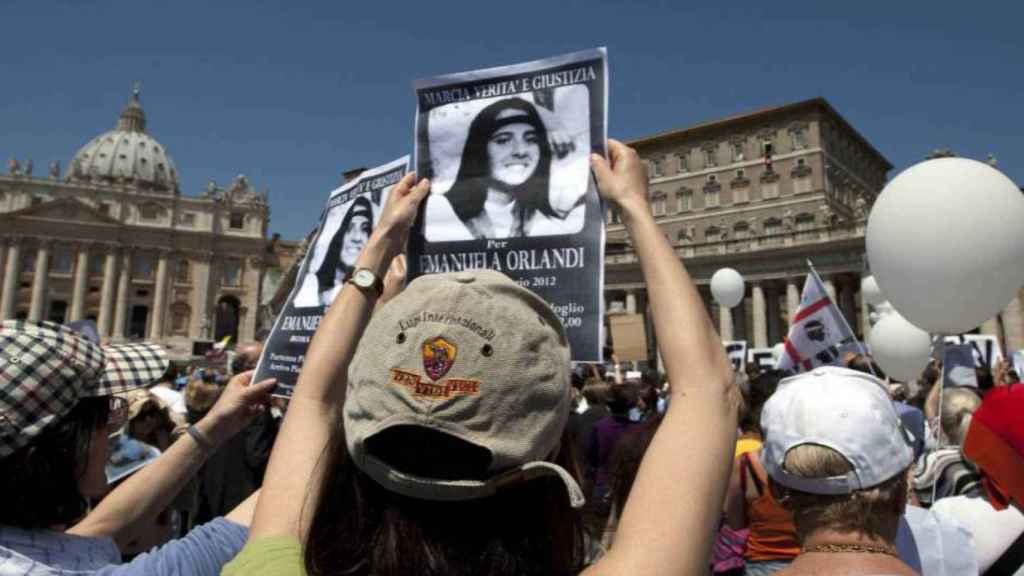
(351, 213)
(507, 151)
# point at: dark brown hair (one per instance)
(360, 528)
(39, 482)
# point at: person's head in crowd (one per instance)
(837, 455)
(149, 419)
(929, 376)
(57, 415)
(201, 394)
(958, 404)
(995, 444)
(596, 392)
(757, 393)
(864, 363)
(246, 357)
(623, 397)
(507, 149)
(490, 481)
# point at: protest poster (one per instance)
(507, 151)
(958, 364)
(763, 358)
(1018, 362)
(736, 350)
(345, 225)
(629, 337)
(985, 346)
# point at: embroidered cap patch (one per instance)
(438, 357)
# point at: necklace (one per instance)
(865, 548)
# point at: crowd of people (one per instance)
(431, 448)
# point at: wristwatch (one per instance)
(365, 280)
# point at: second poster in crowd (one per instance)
(351, 213)
(508, 154)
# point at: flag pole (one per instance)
(842, 317)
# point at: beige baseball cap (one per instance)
(469, 355)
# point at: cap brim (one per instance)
(130, 366)
(458, 490)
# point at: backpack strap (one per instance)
(1010, 561)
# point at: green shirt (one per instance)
(271, 556)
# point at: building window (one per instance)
(740, 193)
(63, 262)
(770, 189)
(712, 234)
(684, 162)
(737, 152)
(657, 168)
(103, 208)
(37, 200)
(772, 229)
(741, 231)
(685, 200)
(187, 218)
(149, 212)
(804, 226)
(237, 221)
(613, 215)
(96, 264)
(710, 158)
(741, 174)
(683, 237)
(767, 148)
(658, 204)
(142, 267)
(181, 272)
(180, 313)
(799, 138)
(28, 262)
(232, 273)
(711, 196)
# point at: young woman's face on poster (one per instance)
(513, 152)
(354, 239)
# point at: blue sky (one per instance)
(292, 93)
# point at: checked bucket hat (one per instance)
(45, 368)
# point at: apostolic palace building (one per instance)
(113, 239)
(764, 193)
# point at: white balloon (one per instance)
(944, 240)
(899, 347)
(727, 287)
(870, 291)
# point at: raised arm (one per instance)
(150, 490)
(670, 518)
(316, 405)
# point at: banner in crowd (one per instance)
(985, 348)
(125, 455)
(762, 358)
(347, 221)
(958, 364)
(818, 335)
(507, 151)
(629, 337)
(736, 351)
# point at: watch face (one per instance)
(363, 278)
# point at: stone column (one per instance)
(760, 316)
(156, 327)
(202, 317)
(1013, 326)
(3, 262)
(792, 298)
(80, 282)
(107, 291)
(774, 317)
(40, 280)
(724, 322)
(124, 281)
(12, 270)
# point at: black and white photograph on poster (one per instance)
(345, 225)
(507, 151)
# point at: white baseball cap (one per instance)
(842, 409)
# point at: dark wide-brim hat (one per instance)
(46, 368)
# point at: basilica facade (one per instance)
(113, 239)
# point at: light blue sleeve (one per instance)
(202, 552)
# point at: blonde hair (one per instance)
(958, 404)
(873, 512)
(201, 396)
